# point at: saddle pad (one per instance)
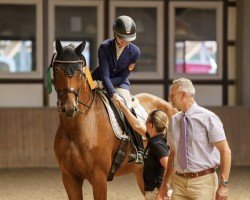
(140, 112)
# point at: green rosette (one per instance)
(49, 82)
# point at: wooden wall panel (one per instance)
(26, 135)
(236, 122)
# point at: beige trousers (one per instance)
(126, 95)
(200, 188)
(151, 195)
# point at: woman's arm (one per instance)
(167, 178)
(134, 122)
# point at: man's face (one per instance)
(175, 96)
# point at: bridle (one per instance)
(68, 73)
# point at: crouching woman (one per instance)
(156, 151)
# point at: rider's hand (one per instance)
(98, 84)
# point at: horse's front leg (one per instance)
(73, 186)
(140, 181)
(99, 185)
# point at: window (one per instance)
(85, 53)
(195, 49)
(148, 17)
(20, 48)
(71, 21)
(196, 57)
(17, 56)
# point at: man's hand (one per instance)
(222, 193)
(164, 193)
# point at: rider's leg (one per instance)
(137, 157)
(126, 96)
(136, 138)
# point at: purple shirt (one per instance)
(204, 128)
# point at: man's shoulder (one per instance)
(205, 111)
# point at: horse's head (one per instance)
(69, 76)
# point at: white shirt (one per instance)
(119, 50)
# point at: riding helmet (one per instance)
(124, 27)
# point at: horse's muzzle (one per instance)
(69, 112)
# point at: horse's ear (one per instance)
(81, 47)
(59, 47)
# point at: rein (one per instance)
(88, 106)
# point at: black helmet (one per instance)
(124, 27)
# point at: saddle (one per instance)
(121, 129)
(117, 118)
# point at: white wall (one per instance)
(21, 95)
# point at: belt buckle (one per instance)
(197, 174)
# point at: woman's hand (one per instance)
(118, 100)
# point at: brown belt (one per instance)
(194, 175)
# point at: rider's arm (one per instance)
(104, 70)
(124, 74)
(134, 122)
(116, 81)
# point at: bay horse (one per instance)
(85, 143)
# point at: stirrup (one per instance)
(136, 158)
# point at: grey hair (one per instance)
(185, 85)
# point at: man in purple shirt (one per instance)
(198, 146)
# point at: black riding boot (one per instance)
(137, 144)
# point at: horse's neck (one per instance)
(86, 94)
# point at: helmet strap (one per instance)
(115, 36)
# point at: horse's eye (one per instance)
(56, 78)
(56, 69)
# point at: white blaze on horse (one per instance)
(85, 143)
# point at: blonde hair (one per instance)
(159, 120)
(185, 85)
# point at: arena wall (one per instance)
(26, 135)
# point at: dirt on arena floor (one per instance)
(45, 184)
